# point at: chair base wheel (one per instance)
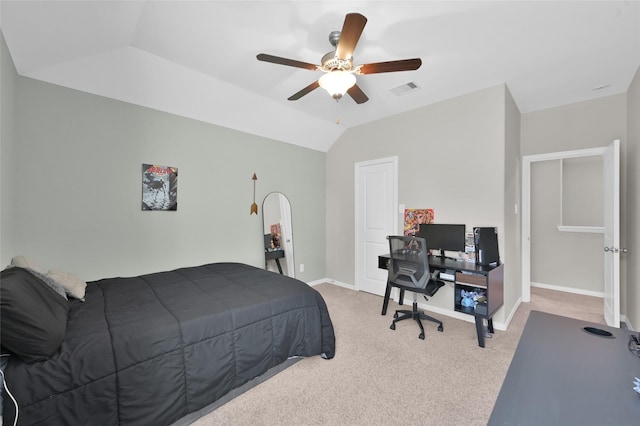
(393, 326)
(440, 329)
(395, 315)
(421, 336)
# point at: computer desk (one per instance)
(562, 375)
(468, 276)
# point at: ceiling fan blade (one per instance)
(313, 86)
(351, 30)
(390, 66)
(357, 94)
(284, 61)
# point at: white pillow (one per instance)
(55, 285)
(73, 285)
(25, 262)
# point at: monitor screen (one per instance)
(443, 237)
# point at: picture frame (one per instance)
(159, 187)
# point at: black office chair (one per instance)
(409, 270)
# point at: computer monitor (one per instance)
(443, 237)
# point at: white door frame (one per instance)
(611, 169)
(287, 234)
(360, 261)
(526, 205)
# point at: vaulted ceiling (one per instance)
(198, 58)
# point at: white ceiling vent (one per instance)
(405, 88)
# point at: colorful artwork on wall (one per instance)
(414, 217)
(159, 187)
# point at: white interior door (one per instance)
(611, 173)
(376, 218)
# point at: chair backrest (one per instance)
(409, 262)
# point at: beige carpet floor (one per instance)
(385, 377)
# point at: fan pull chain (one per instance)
(337, 112)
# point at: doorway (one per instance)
(610, 230)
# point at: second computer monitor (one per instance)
(443, 237)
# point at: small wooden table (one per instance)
(274, 255)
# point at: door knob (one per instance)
(611, 249)
(623, 250)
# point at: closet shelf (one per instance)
(588, 229)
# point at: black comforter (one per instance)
(151, 349)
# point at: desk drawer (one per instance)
(471, 279)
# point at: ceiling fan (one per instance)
(339, 72)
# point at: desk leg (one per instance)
(385, 303)
(279, 267)
(480, 331)
(490, 325)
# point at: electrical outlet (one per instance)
(302, 267)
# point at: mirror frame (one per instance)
(286, 230)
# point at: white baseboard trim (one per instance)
(511, 314)
(330, 281)
(434, 309)
(599, 294)
(623, 318)
(469, 318)
(450, 313)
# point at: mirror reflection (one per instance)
(278, 235)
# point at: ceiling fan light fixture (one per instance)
(337, 82)
(339, 73)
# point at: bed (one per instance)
(154, 348)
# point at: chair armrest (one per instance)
(433, 286)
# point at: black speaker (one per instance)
(486, 241)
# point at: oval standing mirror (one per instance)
(278, 235)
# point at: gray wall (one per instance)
(581, 125)
(451, 157)
(561, 259)
(8, 78)
(631, 237)
(74, 200)
(70, 179)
